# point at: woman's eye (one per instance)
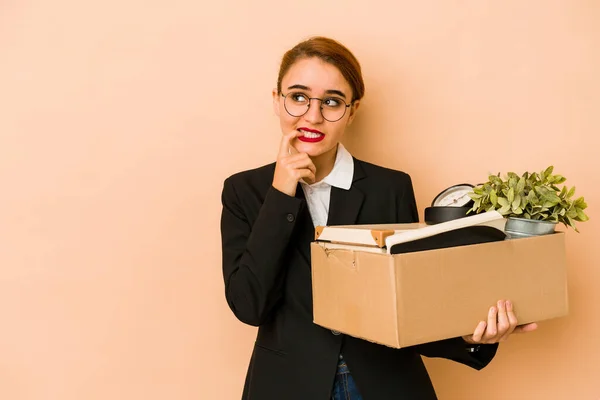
(332, 102)
(299, 97)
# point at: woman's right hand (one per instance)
(290, 168)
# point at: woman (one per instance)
(268, 221)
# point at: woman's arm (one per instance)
(254, 256)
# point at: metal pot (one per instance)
(528, 227)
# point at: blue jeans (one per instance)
(344, 387)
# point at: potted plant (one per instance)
(532, 202)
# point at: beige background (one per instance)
(120, 119)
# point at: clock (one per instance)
(454, 196)
(452, 203)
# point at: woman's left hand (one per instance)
(501, 323)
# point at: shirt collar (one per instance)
(343, 170)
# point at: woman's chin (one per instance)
(312, 149)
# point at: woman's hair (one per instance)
(331, 52)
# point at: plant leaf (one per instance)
(494, 198)
(559, 179)
(516, 202)
(563, 192)
(503, 202)
(580, 203)
(504, 210)
(511, 195)
(521, 185)
(581, 216)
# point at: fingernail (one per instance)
(493, 309)
(508, 304)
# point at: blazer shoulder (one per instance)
(258, 178)
(384, 175)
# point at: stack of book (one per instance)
(405, 238)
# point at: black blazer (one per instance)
(266, 238)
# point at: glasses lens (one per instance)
(296, 103)
(333, 108)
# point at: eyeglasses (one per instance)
(332, 108)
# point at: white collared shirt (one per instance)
(318, 194)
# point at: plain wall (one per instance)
(119, 121)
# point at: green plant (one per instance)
(532, 196)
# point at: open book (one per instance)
(381, 238)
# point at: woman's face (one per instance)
(310, 78)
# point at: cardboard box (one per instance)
(406, 299)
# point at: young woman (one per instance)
(268, 220)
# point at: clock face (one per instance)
(454, 196)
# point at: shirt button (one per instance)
(336, 333)
(290, 217)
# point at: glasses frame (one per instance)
(320, 108)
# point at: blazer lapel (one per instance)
(344, 209)
(305, 228)
(344, 205)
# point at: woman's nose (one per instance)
(313, 114)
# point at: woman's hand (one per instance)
(501, 323)
(290, 168)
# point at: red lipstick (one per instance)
(316, 136)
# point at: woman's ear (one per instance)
(276, 102)
(353, 109)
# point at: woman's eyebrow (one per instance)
(330, 91)
(298, 86)
(338, 92)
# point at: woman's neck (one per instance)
(324, 163)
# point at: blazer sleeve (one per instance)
(254, 254)
(455, 349)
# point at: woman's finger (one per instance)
(491, 329)
(503, 324)
(512, 320)
(526, 328)
(479, 331)
(306, 174)
(285, 146)
(303, 163)
(296, 157)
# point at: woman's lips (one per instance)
(310, 135)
